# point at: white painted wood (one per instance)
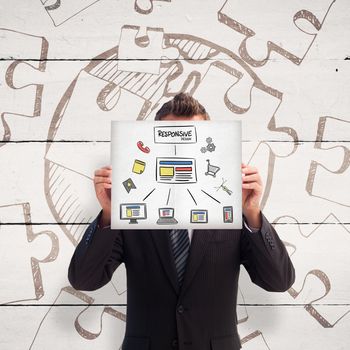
(62, 80)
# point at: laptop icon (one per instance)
(166, 216)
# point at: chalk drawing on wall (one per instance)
(319, 278)
(145, 7)
(20, 97)
(61, 11)
(122, 95)
(283, 32)
(79, 318)
(136, 43)
(335, 167)
(182, 62)
(23, 271)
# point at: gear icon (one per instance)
(211, 147)
(209, 140)
(203, 149)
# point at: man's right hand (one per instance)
(103, 186)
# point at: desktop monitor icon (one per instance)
(133, 212)
(166, 216)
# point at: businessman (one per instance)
(182, 284)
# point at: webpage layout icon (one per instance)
(176, 170)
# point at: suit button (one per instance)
(180, 309)
(174, 343)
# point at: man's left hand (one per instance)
(252, 188)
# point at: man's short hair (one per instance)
(182, 104)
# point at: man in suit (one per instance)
(182, 284)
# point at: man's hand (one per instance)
(103, 185)
(252, 188)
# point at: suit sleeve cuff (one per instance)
(249, 228)
(98, 221)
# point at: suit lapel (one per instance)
(199, 243)
(161, 240)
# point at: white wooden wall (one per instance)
(67, 68)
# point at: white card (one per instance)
(176, 174)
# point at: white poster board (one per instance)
(176, 174)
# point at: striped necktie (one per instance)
(180, 243)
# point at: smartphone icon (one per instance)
(228, 214)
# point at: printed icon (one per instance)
(133, 212)
(228, 214)
(143, 148)
(166, 216)
(209, 147)
(212, 169)
(176, 170)
(138, 167)
(128, 184)
(224, 188)
(199, 216)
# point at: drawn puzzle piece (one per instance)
(239, 97)
(145, 6)
(282, 320)
(68, 202)
(252, 340)
(153, 90)
(119, 282)
(337, 176)
(102, 327)
(20, 268)
(61, 11)
(20, 82)
(279, 29)
(140, 49)
(318, 278)
(314, 181)
(87, 109)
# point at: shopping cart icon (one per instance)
(212, 169)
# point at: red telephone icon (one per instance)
(143, 148)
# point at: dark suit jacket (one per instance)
(202, 314)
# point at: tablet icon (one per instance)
(199, 216)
